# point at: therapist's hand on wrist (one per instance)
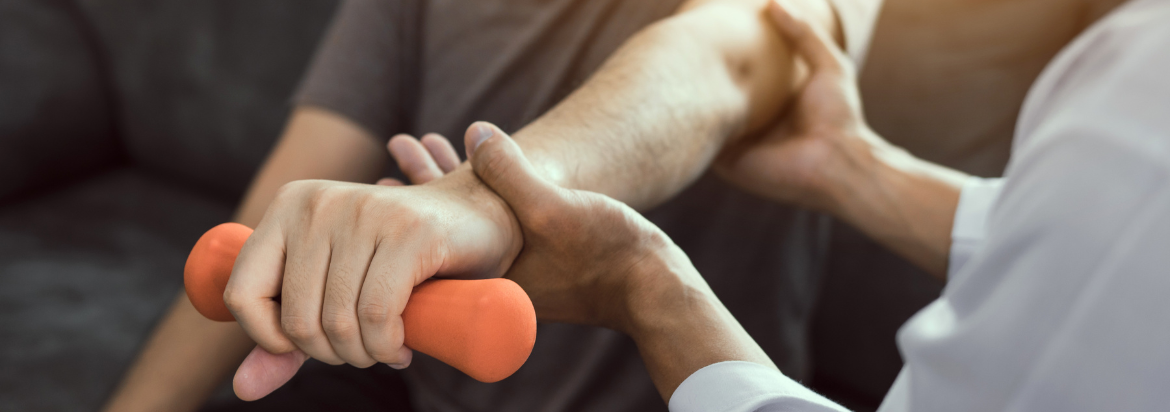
(585, 255)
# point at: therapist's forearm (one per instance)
(679, 325)
(905, 203)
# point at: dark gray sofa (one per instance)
(127, 128)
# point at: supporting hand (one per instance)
(823, 156)
(589, 259)
(584, 253)
(824, 134)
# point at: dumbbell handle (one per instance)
(485, 328)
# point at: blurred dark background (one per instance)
(128, 127)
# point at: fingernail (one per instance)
(480, 133)
(398, 366)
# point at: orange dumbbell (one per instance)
(485, 328)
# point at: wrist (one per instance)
(903, 202)
(662, 292)
(679, 325)
(466, 187)
(855, 161)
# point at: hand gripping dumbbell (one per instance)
(485, 328)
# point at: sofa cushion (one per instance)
(85, 272)
(204, 86)
(55, 116)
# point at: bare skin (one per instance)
(591, 260)
(825, 157)
(344, 257)
(726, 73)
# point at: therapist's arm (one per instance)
(589, 259)
(678, 323)
(825, 157)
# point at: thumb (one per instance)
(261, 373)
(816, 46)
(501, 165)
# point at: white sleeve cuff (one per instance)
(970, 226)
(737, 386)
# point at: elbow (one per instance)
(745, 55)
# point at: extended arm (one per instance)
(653, 117)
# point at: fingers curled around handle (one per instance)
(813, 44)
(254, 286)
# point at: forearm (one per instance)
(653, 117)
(185, 358)
(905, 203)
(680, 326)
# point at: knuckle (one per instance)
(233, 300)
(288, 192)
(339, 327)
(388, 352)
(373, 313)
(323, 197)
(298, 328)
(289, 189)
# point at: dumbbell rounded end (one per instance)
(485, 328)
(508, 330)
(210, 265)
